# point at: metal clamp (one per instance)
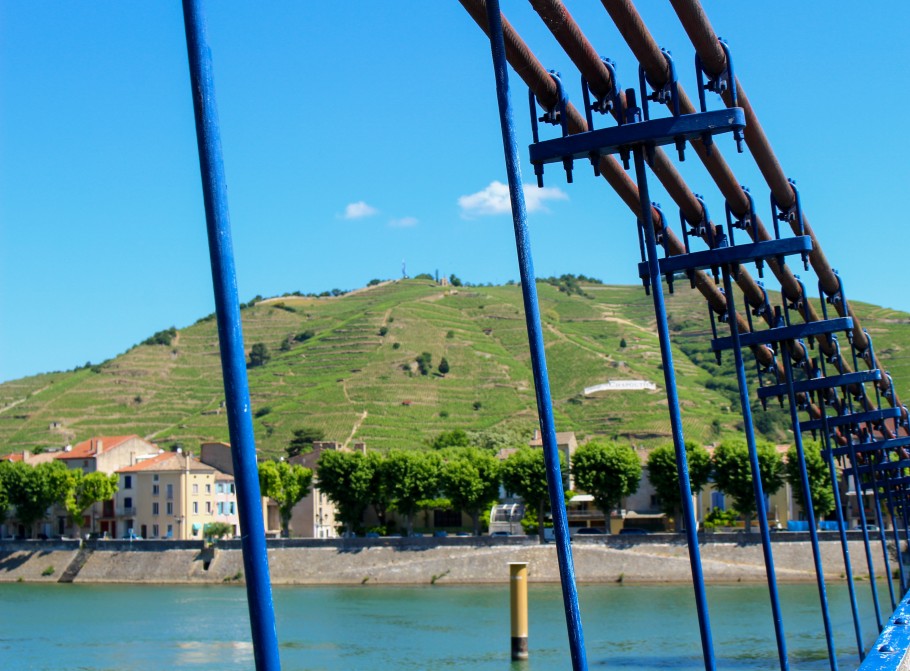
(556, 116)
(668, 94)
(794, 213)
(603, 105)
(722, 82)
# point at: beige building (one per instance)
(314, 515)
(173, 495)
(103, 454)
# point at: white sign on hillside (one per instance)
(621, 385)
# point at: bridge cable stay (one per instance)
(709, 50)
(714, 58)
(656, 70)
(572, 40)
(535, 342)
(641, 139)
(557, 18)
(230, 337)
(549, 94)
(599, 77)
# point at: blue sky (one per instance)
(358, 135)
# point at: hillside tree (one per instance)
(819, 478)
(524, 473)
(607, 471)
(664, 477)
(733, 474)
(470, 480)
(411, 476)
(303, 439)
(346, 478)
(286, 484)
(453, 438)
(259, 355)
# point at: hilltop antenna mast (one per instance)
(404, 270)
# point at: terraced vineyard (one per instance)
(357, 377)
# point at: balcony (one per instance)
(126, 511)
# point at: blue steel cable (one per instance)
(535, 341)
(230, 336)
(807, 504)
(877, 505)
(861, 508)
(842, 531)
(682, 466)
(883, 538)
(889, 497)
(756, 474)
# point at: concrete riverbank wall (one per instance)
(649, 558)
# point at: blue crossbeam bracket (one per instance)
(712, 258)
(780, 334)
(657, 132)
(865, 448)
(820, 383)
(873, 416)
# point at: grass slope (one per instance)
(358, 385)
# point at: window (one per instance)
(219, 488)
(128, 502)
(195, 488)
(195, 507)
(155, 478)
(717, 500)
(232, 508)
(208, 507)
(170, 530)
(170, 508)
(208, 488)
(155, 509)
(170, 490)
(155, 490)
(155, 530)
(231, 487)
(127, 481)
(220, 508)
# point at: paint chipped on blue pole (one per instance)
(230, 336)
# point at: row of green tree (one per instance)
(729, 468)
(468, 478)
(32, 490)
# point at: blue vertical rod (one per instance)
(889, 496)
(870, 562)
(682, 464)
(535, 340)
(877, 505)
(230, 336)
(757, 488)
(842, 531)
(809, 508)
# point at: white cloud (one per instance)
(495, 200)
(403, 222)
(359, 210)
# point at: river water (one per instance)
(143, 627)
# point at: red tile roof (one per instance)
(94, 446)
(169, 461)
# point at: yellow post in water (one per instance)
(518, 603)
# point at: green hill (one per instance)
(356, 384)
